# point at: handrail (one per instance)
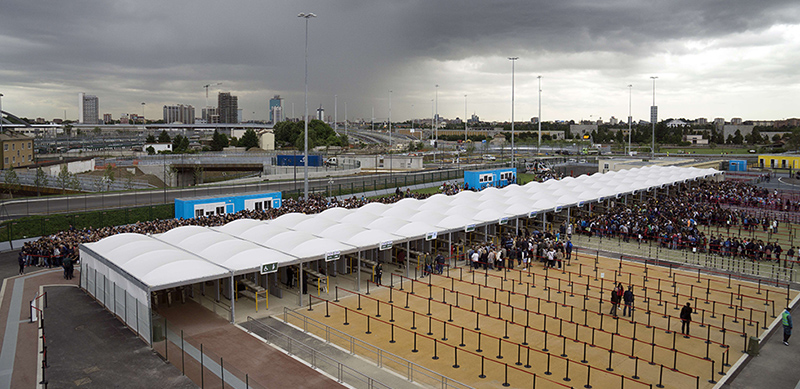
(316, 356)
(380, 354)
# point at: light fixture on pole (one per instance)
(436, 118)
(539, 120)
(513, 61)
(630, 118)
(1, 113)
(335, 113)
(433, 117)
(390, 134)
(653, 118)
(345, 124)
(306, 16)
(143, 116)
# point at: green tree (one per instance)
(250, 139)
(164, 137)
(108, 176)
(40, 180)
(150, 139)
(12, 181)
(150, 150)
(219, 141)
(64, 178)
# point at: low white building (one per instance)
(158, 147)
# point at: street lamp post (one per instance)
(513, 61)
(653, 118)
(539, 120)
(1, 113)
(433, 126)
(630, 118)
(436, 118)
(306, 16)
(390, 135)
(143, 117)
(335, 113)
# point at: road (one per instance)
(13, 209)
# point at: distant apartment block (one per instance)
(736, 121)
(107, 119)
(183, 114)
(88, 109)
(227, 108)
(701, 121)
(209, 115)
(17, 151)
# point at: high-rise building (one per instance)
(320, 113)
(276, 109)
(210, 115)
(227, 108)
(179, 114)
(107, 119)
(88, 109)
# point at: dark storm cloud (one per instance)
(163, 52)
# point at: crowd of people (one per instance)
(672, 221)
(51, 250)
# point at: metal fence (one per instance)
(410, 370)
(83, 183)
(773, 271)
(194, 360)
(317, 360)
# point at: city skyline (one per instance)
(711, 60)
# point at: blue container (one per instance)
(485, 178)
(206, 206)
(737, 166)
(297, 160)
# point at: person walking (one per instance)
(627, 310)
(615, 297)
(379, 274)
(21, 260)
(786, 320)
(686, 319)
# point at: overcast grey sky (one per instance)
(713, 58)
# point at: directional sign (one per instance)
(531, 215)
(431, 235)
(503, 220)
(385, 245)
(469, 228)
(269, 268)
(332, 256)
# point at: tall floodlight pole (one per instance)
(1, 113)
(630, 118)
(143, 116)
(436, 117)
(513, 61)
(390, 134)
(306, 16)
(654, 118)
(345, 124)
(433, 126)
(335, 113)
(539, 120)
(465, 121)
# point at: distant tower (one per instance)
(276, 109)
(227, 108)
(88, 109)
(320, 113)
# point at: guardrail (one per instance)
(413, 372)
(343, 373)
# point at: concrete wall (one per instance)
(72, 167)
(384, 162)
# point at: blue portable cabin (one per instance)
(737, 165)
(482, 179)
(297, 160)
(207, 206)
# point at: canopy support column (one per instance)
(300, 283)
(450, 249)
(233, 300)
(216, 290)
(358, 273)
(408, 257)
